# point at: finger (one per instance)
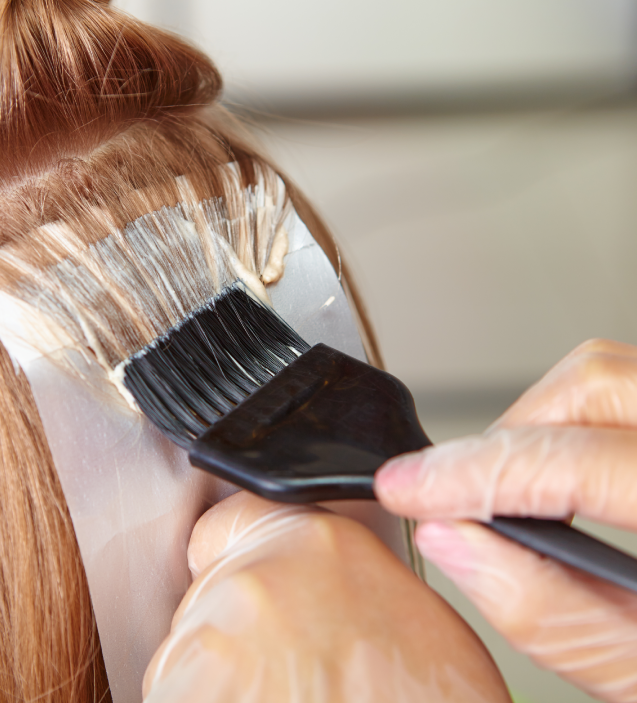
(240, 531)
(239, 518)
(549, 472)
(225, 613)
(584, 629)
(594, 385)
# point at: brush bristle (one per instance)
(202, 368)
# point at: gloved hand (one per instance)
(294, 603)
(568, 446)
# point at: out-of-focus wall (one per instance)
(488, 245)
(296, 53)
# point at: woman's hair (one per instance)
(98, 111)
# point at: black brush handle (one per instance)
(572, 547)
(317, 431)
(321, 428)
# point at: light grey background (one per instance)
(478, 163)
(284, 52)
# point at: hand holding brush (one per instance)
(322, 423)
(256, 406)
(568, 446)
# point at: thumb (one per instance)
(237, 526)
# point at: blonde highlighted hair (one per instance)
(96, 108)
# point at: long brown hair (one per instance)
(95, 106)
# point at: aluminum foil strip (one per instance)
(132, 495)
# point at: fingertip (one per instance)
(442, 482)
(221, 524)
(448, 546)
(490, 570)
(499, 576)
(397, 479)
(210, 534)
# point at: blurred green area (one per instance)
(517, 698)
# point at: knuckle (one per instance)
(596, 345)
(326, 531)
(251, 583)
(253, 586)
(591, 367)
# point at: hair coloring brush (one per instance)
(160, 305)
(256, 405)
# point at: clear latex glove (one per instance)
(568, 446)
(294, 603)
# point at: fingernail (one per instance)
(444, 544)
(399, 475)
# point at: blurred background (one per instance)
(477, 162)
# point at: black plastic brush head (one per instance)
(215, 358)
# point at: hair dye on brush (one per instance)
(214, 359)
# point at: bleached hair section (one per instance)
(114, 290)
